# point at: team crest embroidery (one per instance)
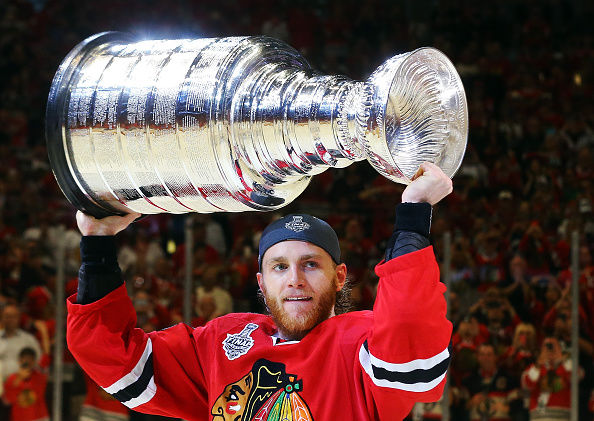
(238, 344)
(297, 224)
(266, 393)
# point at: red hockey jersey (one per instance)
(369, 365)
(26, 397)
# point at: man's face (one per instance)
(494, 315)
(562, 326)
(10, 318)
(299, 281)
(517, 266)
(487, 358)
(27, 361)
(551, 350)
(585, 257)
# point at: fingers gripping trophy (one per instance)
(237, 124)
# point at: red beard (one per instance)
(295, 328)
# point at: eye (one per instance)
(279, 267)
(311, 264)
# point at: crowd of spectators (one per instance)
(525, 185)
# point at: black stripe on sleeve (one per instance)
(135, 389)
(411, 377)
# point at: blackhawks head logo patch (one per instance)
(266, 393)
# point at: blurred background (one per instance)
(525, 185)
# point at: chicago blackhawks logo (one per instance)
(266, 393)
(27, 398)
(238, 344)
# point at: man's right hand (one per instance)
(110, 225)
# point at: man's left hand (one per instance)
(429, 184)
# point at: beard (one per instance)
(296, 327)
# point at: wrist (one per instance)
(98, 248)
(98, 232)
(415, 217)
(412, 198)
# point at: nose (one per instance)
(295, 277)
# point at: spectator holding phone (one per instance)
(24, 390)
(549, 383)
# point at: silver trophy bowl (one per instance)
(237, 124)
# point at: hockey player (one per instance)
(300, 363)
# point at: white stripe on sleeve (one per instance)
(403, 371)
(136, 372)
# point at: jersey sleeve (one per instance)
(159, 372)
(406, 353)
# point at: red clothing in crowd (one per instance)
(548, 321)
(482, 336)
(550, 389)
(26, 397)
(99, 404)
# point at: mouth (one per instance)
(298, 299)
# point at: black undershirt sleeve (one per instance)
(99, 272)
(411, 229)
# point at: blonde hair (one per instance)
(529, 329)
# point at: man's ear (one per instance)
(260, 281)
(341, 276)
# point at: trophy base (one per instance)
(54, 131)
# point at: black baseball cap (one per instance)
(300, 227)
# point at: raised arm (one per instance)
(406, 354)
(413, 215)
(157, 372)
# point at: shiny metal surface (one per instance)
(237, 124)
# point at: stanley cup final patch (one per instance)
(238, 344)
(297, 224)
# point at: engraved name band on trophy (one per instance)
(237, 124)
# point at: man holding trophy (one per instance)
(236, 124)
(362, 365)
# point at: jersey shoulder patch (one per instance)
(237, 344)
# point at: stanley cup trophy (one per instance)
(237, 124)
